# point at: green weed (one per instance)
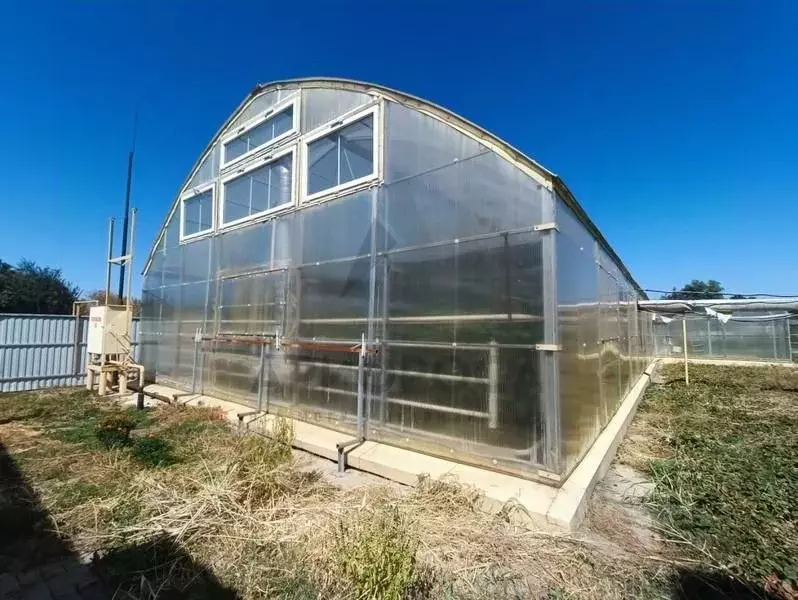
(375, 557)
(152, 451)
(730, 484)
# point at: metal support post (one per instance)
(260, 376)
(551, 455)
(775, 344)
(109, 263)
(493, 385)
(197, 342)
(361, 360)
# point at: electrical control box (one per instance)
(109, 330)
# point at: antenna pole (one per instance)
(127, 207)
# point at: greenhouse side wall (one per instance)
(606, 342)
(439, 267)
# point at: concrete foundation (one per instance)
(535, 505)
(728, 362)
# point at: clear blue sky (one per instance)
(674, 122)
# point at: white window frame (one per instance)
(257, 164)
(188, 195)
(332, 127)
(254, 122)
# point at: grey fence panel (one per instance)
(39, 351)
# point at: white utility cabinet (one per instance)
(108, 330)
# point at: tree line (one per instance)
(27, 288)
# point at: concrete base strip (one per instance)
(532, 504)
(725, 362)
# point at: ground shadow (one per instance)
(35, 562)
(159, 567)
(704, 585)
(26, 533)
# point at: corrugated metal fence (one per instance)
(39, 351)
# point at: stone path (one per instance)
(68, 579)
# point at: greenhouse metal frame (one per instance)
(356, 257)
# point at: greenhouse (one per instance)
(356, 257)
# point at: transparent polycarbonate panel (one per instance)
(581, 410)
(169, 341)
(195, 258)
(339, 229)
(477, 404)
(416, 143)
(345, 155)
(610, 341)
(198, 213)
(154, 277)
(246, 249)
(334, 300)
(259, 136)
(150, 328)
(173, 266)
(252, 305)
(257, 106)
(234, 371)
(208, 169)
(259, 190)
(287, 240)
(318, 385)
(476, 196)
(172, 234)
(320, 106)
(472, 292)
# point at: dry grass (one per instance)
(241, 508)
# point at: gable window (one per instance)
(258, 189)
(261, 132)
(341, 155)
(196, 212)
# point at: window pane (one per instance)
(259, 190)
(261, 135)
(342, 156)
(198, 213)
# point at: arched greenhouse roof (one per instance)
(491, 141)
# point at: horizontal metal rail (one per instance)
(462, 240)
(399, 372)
(47, 345)
(455, 345)
(43, 376)
(476, 318)
(402, 402)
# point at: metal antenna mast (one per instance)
(126, 219)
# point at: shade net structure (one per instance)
(356, 257)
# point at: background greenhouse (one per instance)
(342, 246)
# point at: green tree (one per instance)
(113, 299)
(697, 290)
(29, 288)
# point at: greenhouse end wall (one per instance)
(442, 263)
